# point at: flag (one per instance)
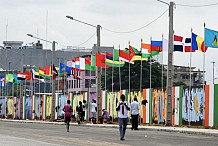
(68, 68)
(41, 72)
(178, 43)
(93, 60)
(187, 45)
(116, 54)
(109, 56)
(21, 76)
(9, 78)
(146, 50)
(100, 60)
(54, 72)
(125, 56)
(62, 68)
(198, 43)
(88, 65)
(211, 37)
(165, 45)
(48, 70)
(73, 64)
(28, 76)
(16, 81)
(77, 65)
(76, 77)
(134, 50)
(82, 65)
(156, 46)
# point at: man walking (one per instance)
(122, 108)
(68, 113)
(94, 110)
(135, 113)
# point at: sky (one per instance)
(34, 16)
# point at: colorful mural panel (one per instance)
(2, 107)
(48, 107)
(192, 106)
(38, 107)
(158, 106)
(62, 100)
(28, 107)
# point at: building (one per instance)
(182, 75)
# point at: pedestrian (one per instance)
(122, 107)
(94, 110)
(135, 113)
(79, 110)
(67, 114)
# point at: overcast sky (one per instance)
(29, 16)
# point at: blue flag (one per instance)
(211, 37)
(68, 69)
(62, 68)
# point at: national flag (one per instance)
(146, 50)
(9, 78)
(113, 63)
(165, 45)
(48, 70)
(28, 76)
(77, 65)
(73, 64)
(21, 76)
(125, 56)
(41, 72)
(54, 72)
(68, 68)
(198, 43)
(187, 45)
(178, 43)
(211, 37)
(156, 46)
(109, 56)
(100, 60)
(82, 65)
(134, 50)
(93, 60)
(16, 81)
(88, 64)
(116, 54)
(62, 68)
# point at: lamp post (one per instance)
(213, 70)
(53, 80)
(98, 68)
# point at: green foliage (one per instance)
(135, 69)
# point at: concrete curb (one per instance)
(205, 132)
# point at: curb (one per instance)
(205, 132)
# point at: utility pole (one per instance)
(170, 68)
(21, 87)
(98, 75)
(53, 82)
(213, 70)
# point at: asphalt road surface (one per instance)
(30, 134)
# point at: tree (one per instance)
(156, 76)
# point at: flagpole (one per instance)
(162, 65)
(150, 65)
(119, 70)
(141, 71)
(129, 71)
(112, 89)
(105, 72)
(204, 77)
(60, 71)
(190, 70)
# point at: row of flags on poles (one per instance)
(118, 58)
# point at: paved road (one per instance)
(22, 134)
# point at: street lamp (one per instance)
(213, 70)
(52, 68)
(98, 68)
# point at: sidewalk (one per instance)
(207, 132)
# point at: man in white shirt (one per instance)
(122, 108)
(135, 113)
(94, 110)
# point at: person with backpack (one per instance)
(122, 107)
